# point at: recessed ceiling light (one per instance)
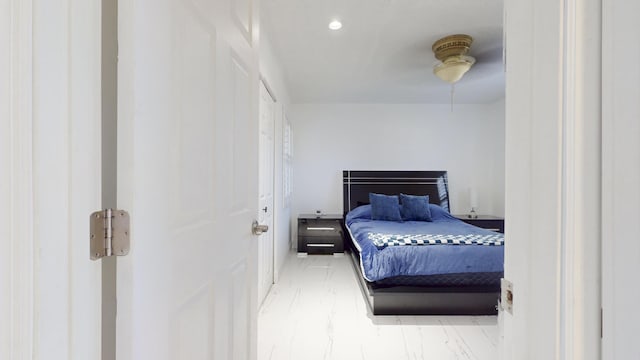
(335, 25)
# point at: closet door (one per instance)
(188, 175)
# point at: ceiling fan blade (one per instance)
(489, 55)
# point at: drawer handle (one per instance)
(320, 245)
(321, 228)
(493, 229)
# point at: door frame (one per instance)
(18, 293)
(53, 125)
(553, 178)
(275, 213)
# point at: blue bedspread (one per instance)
(387, 261)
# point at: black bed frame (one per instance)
(412, 300)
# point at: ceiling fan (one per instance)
(451, 51)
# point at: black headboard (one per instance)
(358, 184)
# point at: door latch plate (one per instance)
(507, 295)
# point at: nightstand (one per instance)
(320, 234)
(488, 222)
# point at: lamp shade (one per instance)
(473, 197)
(453, 68)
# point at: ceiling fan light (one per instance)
(453, 68)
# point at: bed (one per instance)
(443, 266)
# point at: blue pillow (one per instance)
(385, 207)
(361, 212)
(415, 208)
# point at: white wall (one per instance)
(621, 176)
(273, 77)
(468, 143)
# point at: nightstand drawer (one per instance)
(319, 227)
(488, 222)
(320, 245)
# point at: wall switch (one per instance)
(506, 297)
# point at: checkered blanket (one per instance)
(384, 240)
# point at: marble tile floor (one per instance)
(316, 311)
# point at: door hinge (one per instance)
(109, 233)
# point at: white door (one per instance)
(188, 175)
(49, 179)
(265, 213)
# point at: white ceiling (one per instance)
(383, 53)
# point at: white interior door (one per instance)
(265, 213)
(188, 175)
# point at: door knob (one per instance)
(264, 209)
(258, 229)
